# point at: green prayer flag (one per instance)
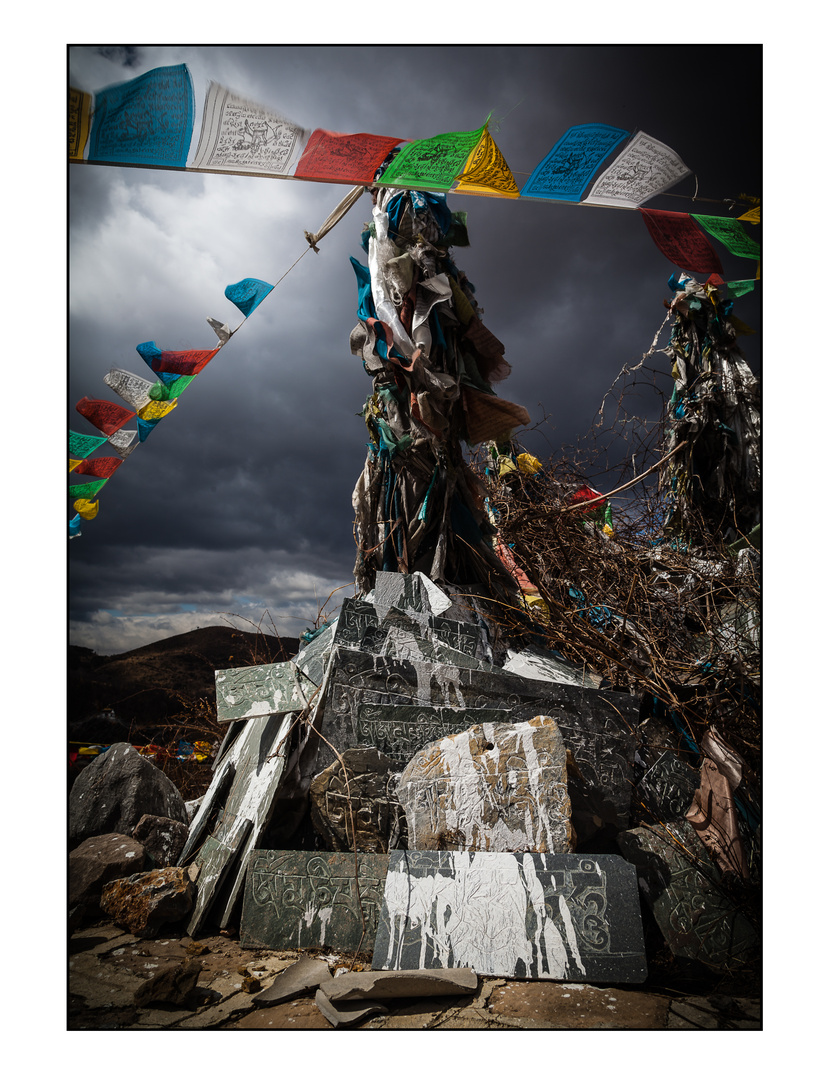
(731, 233)
(433, 163)
(740, 288)
(81, 446)
(87, 491)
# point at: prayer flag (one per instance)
(572, 162)
(645, 168)
(487, 172)
(86, 491)
(103, 466)
(241, 136)
(246, 295)
(740, 288)
(190, 362)
(131, 388)
(432, 163)
(347, 159)
(79, 123)
(74, 463)
(160, 392)
(75, 527)
(680, 239)
(86, 508)
(105, 415)
(155, 410)
(147, 121)
(753, 215)
(145, 427)
(83, 445)
(122, 442)
(729, 232)
(221, 329)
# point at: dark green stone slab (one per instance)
(310, 900)
(261, 690)
(401, 731)
(527, 916)
(666, 788)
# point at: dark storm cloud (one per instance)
(241, 499)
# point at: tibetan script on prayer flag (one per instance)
(79, 123)
(103, 466)
(86, 491)
(349, 159)
(130, 388)
(432, 163)
(155, 410)
(105, 415)
(644, 169)
(681, 240)
(190, 362)
(123, 442)
(572, 162)
(241, 136)
(147, 121)
(81, 446)
(487, 172)
(729, 232)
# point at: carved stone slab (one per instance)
(681, 884)
(597, 725)
(666, 788)
(367, 795)
(260, 690)
(525, 916)
(493, 787)
(309, 900)
(401, 731)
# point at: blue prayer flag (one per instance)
(147, 121)
(246, 295)
(571, 163)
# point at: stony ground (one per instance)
(107, 966)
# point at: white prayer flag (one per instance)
(131, 388)
(644, 169)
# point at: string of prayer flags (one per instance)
(246, 295)
(103, 466)
(432, 163)
(681, 240)
(79, 122)
(104, 415)
(240, 136)
(645, 168)
(147, 121)
(81, 446)
(86, 508)
(487, 172)
(729, 232)
(565, 172)
(347, 159)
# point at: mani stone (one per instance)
(359, 788)
(573, 918)
(115, 790)
(682, 886)
(305, 900)
(494, 787)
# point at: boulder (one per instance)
(142, 903)
(96, 862)
(171, 986)
(493, 787)
(114, 792)
(163, 838)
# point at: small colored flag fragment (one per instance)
(79, 123)
(75, 527)
(753, 215)
(347, 159)
(681, 240)
(432, 163)
(87, 508)
(221, 329)
(729, 232)
(147, 121)
(645, 168)
(246, 295)
(487, 173)
(572, 161)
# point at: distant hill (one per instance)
(149, 689)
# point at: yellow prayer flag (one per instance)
(752, 215)
(155, 410)
(86, 507)
(487, 172)
(79, 123)
(75, 462)
(528, 464)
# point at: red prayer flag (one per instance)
(182, 363)
(104, 415)
(102, 466)
(350, 159)
(679, 238)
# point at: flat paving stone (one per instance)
(572, 1006)
(347, 1013)
(300, 978)
(301, 1015)
(382, 985)
(215, 1015)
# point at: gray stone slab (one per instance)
(383, 985)
(312, 659)
(305, 975)
(353, 803)
(666, 788)
(215, 859)
(310, 900)
(597, 725)
(261, 690)
(528, 916)
(683, 887)
(349, 1013)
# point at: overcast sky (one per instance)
(240, 501)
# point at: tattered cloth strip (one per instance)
(487, 172)
(103, 466)
(433, 163)
(645, 168)
(241, 136)
(105, 415)
(713, 812)
(79, 123)
(680, 239)
(489, 417)
(349, 159)
(568, 167)
(147, 121)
